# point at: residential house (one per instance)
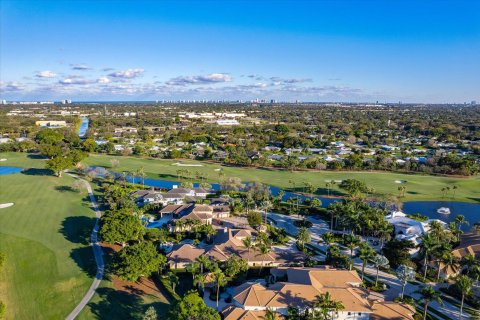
(469, 245)
(299, 287)
(143, 197)
(229, 242)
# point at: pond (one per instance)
(82, 131)
(4, 170)
(471, 211)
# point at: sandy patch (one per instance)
(178, 164)
(6, 205)
(401, 181)
(3, 159)
(217, 169)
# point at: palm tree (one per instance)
(405, 274)
(454, 189)
(327, 306)
(328, 238)
(270, 314)
(303, 237)
(429, 244)
(193, 268)
(203, 261)
(365, 253)
(472, 266)
(200, 280)
(351, 242)
(173, 279)
(459, 220)
(220, 279)
(428, 295)
(464, 284)
(449, 261)
(443, 192)
(379, 261)
(141, 174)
(264, 251)
(248, 243)
(266, 205)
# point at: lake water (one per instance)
(471, 211)
(82, 131)
(9, 170)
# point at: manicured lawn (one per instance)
(45, 237)
(419, 187)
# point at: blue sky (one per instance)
(410, 51)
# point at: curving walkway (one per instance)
(97, 251)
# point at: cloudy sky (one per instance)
(411, 51)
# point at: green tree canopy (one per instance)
(140, 259)
(192, 307)
(121, 227)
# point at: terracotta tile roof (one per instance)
(391, 311)
(236, 313)
(185, 253)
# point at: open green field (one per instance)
(45, 236)
(418, 187)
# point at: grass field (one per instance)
(419, 187)
(45, 237)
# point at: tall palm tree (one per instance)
(379, 261)
(472, 266)
(141, 174)
(429, 294)
(449, 261)
(203, 261)
(264, 251)
(405, 274)
(460, 220)
(429, 244)
(220, 279)
(200, 280)
(454, 189)
(327, 306)
(248, 243)
(328, 238)
(365, 253)
(465, 285)
(266, 205)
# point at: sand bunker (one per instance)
(3, 159)
(401, 181)
(186, 165)
(6, 205)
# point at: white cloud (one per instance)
(75, 80)
(103, 80)
(209, 78)
(81, 67)
(46, 74)
(127, 74)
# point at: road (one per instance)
(97, 251)
(319, 227)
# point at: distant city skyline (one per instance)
(357, 51)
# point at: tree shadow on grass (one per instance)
(77, 229)
(65, 189)
(116, 304)
(85, 260)
(37, 172)
(36, 156)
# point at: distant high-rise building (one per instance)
(4, 101)
(473, 103)
(66, 101)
